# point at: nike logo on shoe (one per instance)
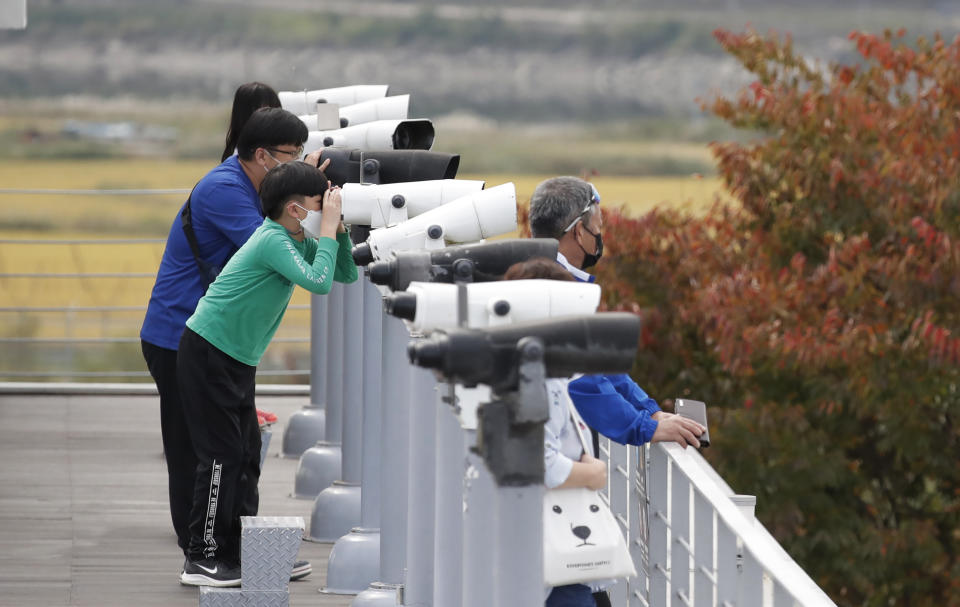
(208, 570)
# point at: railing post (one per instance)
(703, 551)
(639, 536)
(618, 482)
(659, 529)
(727, 555)
(680, 540)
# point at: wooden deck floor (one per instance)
(83, 505)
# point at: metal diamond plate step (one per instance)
(268, 547)
(243, 597)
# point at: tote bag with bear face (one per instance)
(582, 541)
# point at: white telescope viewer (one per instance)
(487, 213)
(305, 102)
(389, 204)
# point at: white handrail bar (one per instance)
(756, 540)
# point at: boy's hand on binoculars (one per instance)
(332, 210)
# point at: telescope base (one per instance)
(319, 468)
(379, 595)
(304, 429)
(335, 512)
(354, 562)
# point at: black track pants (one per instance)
(218, 400)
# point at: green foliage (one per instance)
(818, 316)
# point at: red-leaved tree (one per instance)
(819, 315)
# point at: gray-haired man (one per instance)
(568, 209)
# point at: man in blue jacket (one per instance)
(568, 210)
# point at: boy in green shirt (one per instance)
(224, 341)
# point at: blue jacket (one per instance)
(225, 209)
(615, 406)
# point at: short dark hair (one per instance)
(295, 180)
(555, 203)
(269, 127)
(248, 98)
(538, 267)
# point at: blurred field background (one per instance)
(57, 327)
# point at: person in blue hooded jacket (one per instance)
(567, 209)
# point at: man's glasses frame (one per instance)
(297, 154)
(594, 200)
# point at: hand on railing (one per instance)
(676, 429)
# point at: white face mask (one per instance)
(311, 223)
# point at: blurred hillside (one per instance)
(528, 60)
(645, 62)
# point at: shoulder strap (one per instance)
(576, 425)
(207, 272)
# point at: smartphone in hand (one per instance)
(697, 411)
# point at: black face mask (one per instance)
(591, 259)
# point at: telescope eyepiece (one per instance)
(380, 272)
(427, 354)
(402, 305)
(362, 254)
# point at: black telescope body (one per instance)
(598, 343)
(388, 166)
(490, 261)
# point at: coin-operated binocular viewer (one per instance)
(470, 218)
(504, 496)
(488, 261)
(353, 165)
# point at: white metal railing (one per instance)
(705, 551)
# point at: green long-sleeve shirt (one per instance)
(244, 306)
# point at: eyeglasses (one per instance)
(594, 200)
(295, 154)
